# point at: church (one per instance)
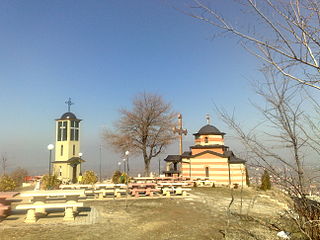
(209, 159)
(67, 164)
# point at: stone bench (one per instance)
(175, 190)
(146, 191)
(182, 191)
(31, 210)
(5, 202)
(115, 192)
(4, 210)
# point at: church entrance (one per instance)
(74, 174)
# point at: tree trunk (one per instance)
(146, 167)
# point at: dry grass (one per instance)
(202, 215)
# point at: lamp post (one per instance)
(124, 165)
(50, 148)
(119, 166)
(100, 157)
(127, 154)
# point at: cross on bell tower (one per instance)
(69, 103)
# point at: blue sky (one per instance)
(101, 54)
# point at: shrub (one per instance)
(49, 182)
(18, 175)
(265, 181)
(7, 183)
(124, 178)
(116, 177)
(89, 177)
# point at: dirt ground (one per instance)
(201, 215)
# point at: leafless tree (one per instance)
(281, 142)
(18, 175)
(146, 129)
(283, 33)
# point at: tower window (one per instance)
(206, 139)
(62, 131)
(74, 131)
(207, 171)
(74, 150)
(61, 150)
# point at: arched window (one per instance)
(206, 139)
(207, 171)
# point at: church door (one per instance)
(74, 174)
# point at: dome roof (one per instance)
(209, 130)
(68, 115)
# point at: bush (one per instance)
(265, 181)
(124, 178)
(18, 175)
(116, 177)
(49, 182)
(7, 183)
(89, 177)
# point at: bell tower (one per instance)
(67, 164)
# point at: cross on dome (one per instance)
(208, 118)
(69, 103)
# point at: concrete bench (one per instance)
(4, 210)
(146, 191)
(5, 202)
(114, 192)
(202, 183)
(175, 190)
(31, 210)
(167, 191)
(182, 191)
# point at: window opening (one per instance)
(61, 150)
(207, 171)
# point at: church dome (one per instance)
(209, 130)
(68, 115)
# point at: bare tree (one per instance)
(280, 144)
(283, 33)
(18, 175)
(146, 129)
(282, 141)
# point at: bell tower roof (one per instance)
(68, 116)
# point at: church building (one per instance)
(67, 164)
(209, 159)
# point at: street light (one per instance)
(127, 154)
(50, 148)
(119, 165)
(124, 165)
